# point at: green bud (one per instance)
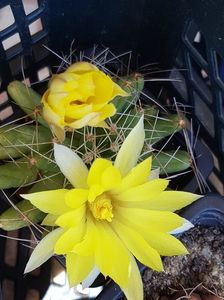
(27, 99)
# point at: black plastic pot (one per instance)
(207, 211)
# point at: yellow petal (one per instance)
(111, 257)
(107, 111)
(81, 67)
(164, 243)
(151, 220)
(145, 192)
(103, 88)
(87, 246)
(78, 267)
(70, 97)
(101, 124)
(49, 220)
(71, 165)
(130, 150)
(78, 111)
(98, 106)
(134, 289)
(66, 77)
(137, 176)
(118, 91)
(51, 202)
(83, 121)
(59, 101)
(71, 85)
(138, 246)
(184, 227)
(94, 191)
(56, 83)
(96, 171)
(169, 200)
(71, 218)
(86, 86)
(50, 116)
(111, 178)
(76, 197)
(69, 239)
(44, 250)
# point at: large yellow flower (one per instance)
(113, 214)
(78, 97)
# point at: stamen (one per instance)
(102, 208)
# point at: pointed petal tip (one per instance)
(29, 268)
(71, 165)
(159, 267)
(90, 278)
(187, 252)
(131, 148)
(184, 227)
(27, 196)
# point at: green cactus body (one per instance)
(24, 215)
(18, 173)
(17, 140)
(171, 161)
(157, 128)
(133, 85)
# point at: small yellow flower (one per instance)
(78, 97)
(114, 213)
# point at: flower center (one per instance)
(102, 208)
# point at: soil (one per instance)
(201, 271)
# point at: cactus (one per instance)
(28, 147)
(17, 174)
(18, 140)
(27, 99)
(24, 215)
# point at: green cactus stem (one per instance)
(24, 215)
(27, 99)
(171, 161)
(17, 173)
(133, 85)
(17, 140)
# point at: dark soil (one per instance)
(201, 271)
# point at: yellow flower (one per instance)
(113, 214)
(78, 97)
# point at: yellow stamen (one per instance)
(102, 208)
